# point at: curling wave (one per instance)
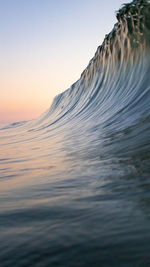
(112, 96)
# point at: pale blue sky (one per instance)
(44, 47)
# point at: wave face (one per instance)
(75, 183)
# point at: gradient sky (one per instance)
(44, 47)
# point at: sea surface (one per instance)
(75, 183)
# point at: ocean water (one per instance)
(75, 183)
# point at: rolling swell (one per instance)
(114, 90)
(74, 186)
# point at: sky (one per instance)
(44, 47)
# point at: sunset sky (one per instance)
(44, 47)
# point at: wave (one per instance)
(109, 104)
(113, 93)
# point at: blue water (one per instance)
(75, 183)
